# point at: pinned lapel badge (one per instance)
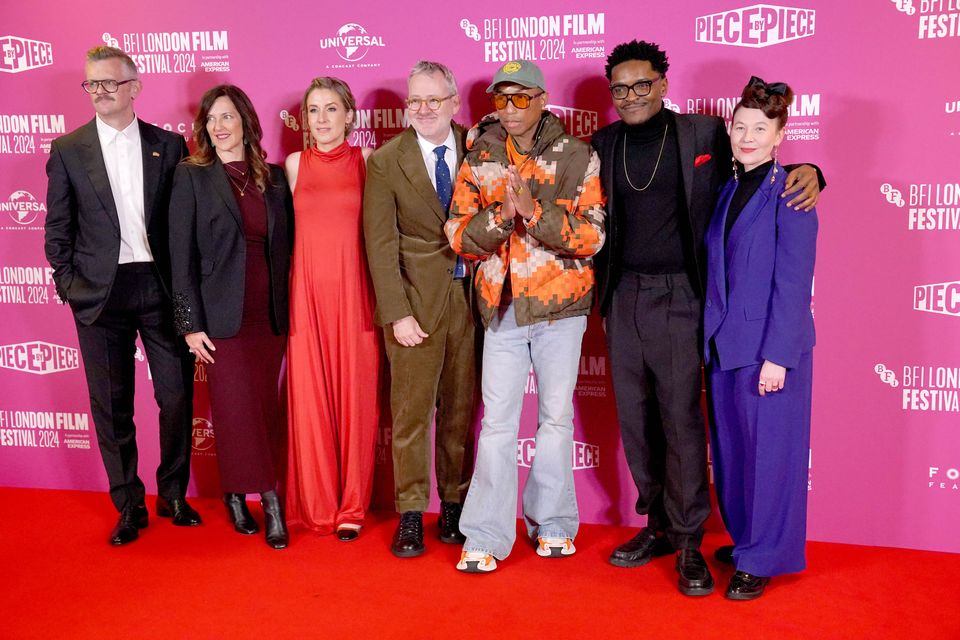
(702, 159)
(156, 154)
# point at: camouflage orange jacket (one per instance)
(549, 256)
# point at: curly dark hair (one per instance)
(637, 50)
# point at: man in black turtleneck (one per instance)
(661, 172)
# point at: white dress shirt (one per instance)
(124, 160)
(430, 158)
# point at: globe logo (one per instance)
(353, 52)
(23, 207)
(203, 437)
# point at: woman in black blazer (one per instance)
(231, 230)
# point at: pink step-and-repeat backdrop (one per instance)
(878, 108)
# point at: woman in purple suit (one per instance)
(758, 341)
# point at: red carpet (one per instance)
(62, 580)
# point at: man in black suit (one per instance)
(106, 239)
(661, 173)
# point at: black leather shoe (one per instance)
(275, 525)
(744, 586)
(132, 519)
(239, 513)
(695, 578)
(408, 538)
(449, 523)
(347, 534)
(641, 549)
(724, 554)
(179, 511)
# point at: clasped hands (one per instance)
(518, 199)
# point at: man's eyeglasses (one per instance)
(433, 104)
(641, 88)
(519, 100)
(110, 86)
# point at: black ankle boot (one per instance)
(240, 515)
(275, 526)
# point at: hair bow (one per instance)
(774, 88)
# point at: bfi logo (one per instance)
(39, 358)
(585, 456)
(759, 25)
(20, 54)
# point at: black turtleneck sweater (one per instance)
(654, 219)
(747, 185)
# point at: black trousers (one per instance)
(653, 336)
(137, 304)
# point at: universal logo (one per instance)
(585, 456)
(759, 25)
(938, 478)
(942, 298)
(203, 436)
(40, 358)
(352, 42)
(20, 54)
(23, 208)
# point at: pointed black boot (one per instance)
(275, 526)
(240, 515)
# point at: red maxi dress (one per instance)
(334, 351)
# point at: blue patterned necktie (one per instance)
(445, 194)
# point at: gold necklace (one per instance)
(236, 182)
(655, 167)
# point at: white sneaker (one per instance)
(555, 547)
(476, 562)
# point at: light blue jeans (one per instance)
(549, 497)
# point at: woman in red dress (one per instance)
(333, 356)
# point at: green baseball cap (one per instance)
(522, 72)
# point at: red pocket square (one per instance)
(699, 160)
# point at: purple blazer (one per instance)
(759, 281)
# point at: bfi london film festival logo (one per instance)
(935, 18)
(536, 38)
(352, 43)
(591, 378)
(26, 133)
(27, 285)
(173, 52)
(384, 449)
(22, 54)
(39, 358)
(929, 206)
(372, 127)
(203, 437)
(940, 478)
(759, 25)
(24, 211)
(585, 456)
(924, 387)
(802, 125)
(44, 429)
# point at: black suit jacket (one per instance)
(82, 230)
(705, 164)
(208, 250)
